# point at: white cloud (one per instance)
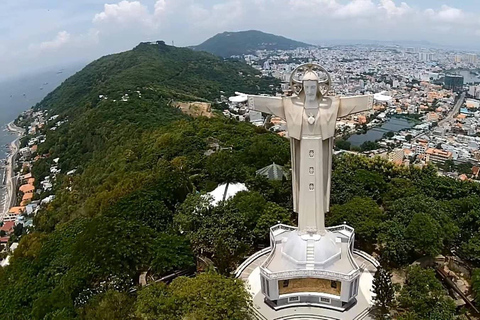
(62, 38)
(356, 9)
(127, 13)
(392, 9)
(447, 14)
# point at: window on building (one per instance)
(293, 299)
(333, 284)
(324, 300)
(311, 171)
(285, 283)
(311, 153)
(311, 187)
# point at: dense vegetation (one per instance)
(136, 162)
(136, 203)
(229, 44)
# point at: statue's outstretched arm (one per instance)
(356, 104)
(270, 105)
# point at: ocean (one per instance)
(20, 94)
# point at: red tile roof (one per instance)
(8, 226)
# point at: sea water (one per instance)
(20, 94)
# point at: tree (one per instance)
(408, 137)
(111, 305)
(273, 214)
(394, 247)
(425, 234)
(424, 295)
(343, 144)
(449, 165)
(476, 285)
(114, 246)
(220, 233)
(389, 134)
(384, 291)
(207, 296)
(171, 252)
(470, 249)
(369, 145)
(361, 213)
(156, 302)
(465, 168)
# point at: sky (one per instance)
(41, 34)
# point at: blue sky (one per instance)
(46, 33)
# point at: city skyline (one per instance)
(46, 34)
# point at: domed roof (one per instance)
(295, 247)
(325, 247)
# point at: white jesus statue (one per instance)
(311, 116)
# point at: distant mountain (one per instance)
(229, 44)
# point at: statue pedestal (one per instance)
(310, 268)
(301, 271)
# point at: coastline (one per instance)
(11, 180)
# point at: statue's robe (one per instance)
(311, 147)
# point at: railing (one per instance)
(273, 243)
(250, 259)
(341, 227)
(309, 274)
(367, 257)
(282, 226)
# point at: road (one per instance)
(11, 179)
(449, 117)
(455, 110)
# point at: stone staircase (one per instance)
(310, 255)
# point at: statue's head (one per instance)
(310, 81)
(310, 86)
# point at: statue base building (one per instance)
(310, 274)
(310, 268)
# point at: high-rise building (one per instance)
(471, 58)
(454, 82)
(426, 57)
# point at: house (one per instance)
(438, 155)
(475, 172)
(27, 196)
(8, 227)
(273, 172)
(27, 188)
(13, 213)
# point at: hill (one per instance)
(137, 157)
(229, 44)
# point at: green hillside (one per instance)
(136, 161)
(229, 44)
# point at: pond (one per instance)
(393, 124)
(469, 77)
